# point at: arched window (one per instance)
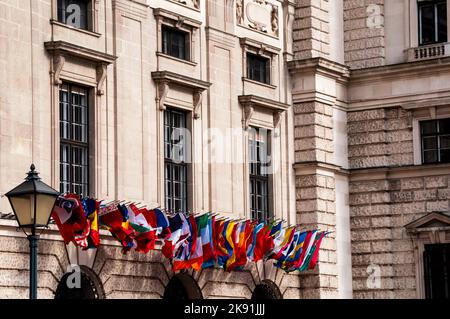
(182, 287)
(266, 290)
(87, 286)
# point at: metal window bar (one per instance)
(175, 170)
(74, 139)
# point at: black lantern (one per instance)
(32, 203)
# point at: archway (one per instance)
(266, 290)
(182, 287)
(89, 287)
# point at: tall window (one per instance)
(75, 13)
(176, 157)
(175, 43)
(259, 175)
(74, 137)
(435, 141)
(258, 68)
(437, 271)
(432, 21)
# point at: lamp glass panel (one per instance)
(44, 208)
(24, 208)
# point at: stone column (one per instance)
(320, 161)
(311, 29)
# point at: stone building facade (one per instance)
(343, 86)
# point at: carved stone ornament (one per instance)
(162, 91)
(259, 15)
(58, 64)
(276, 118)
(248, 113)
(101, 77)
(197, 98)
(190, 3)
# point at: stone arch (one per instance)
(266, 289)
(90, 286)
(182, 286)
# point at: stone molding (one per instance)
(62, 50)
(165, 79)
(250, 102)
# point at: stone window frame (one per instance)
(266, 51)
(433, 228)
(66, 58)
(413, 17)
(181, 23)
(431, 110)
(166, 82)
(94, 19)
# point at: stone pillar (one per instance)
(320, 160)
(311, 29)
(364, 33)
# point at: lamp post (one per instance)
(32, 203)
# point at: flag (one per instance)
(315, 253)
(70, 218)
(264, 243)
(162, 224)
(91, 208)
(251, 248)
(282, 242)
(288, 264)
(306, 250)
(184, 259)
(113, 219)
(220, 250)
(207, 243)
(196, 259)
(175, 227)
(245, 239)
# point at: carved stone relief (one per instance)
(259, 15)
(189, 3)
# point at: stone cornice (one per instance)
(379, 173)
(262, 102)
(182, 80)
(162, 13)
(408, 69)
(70, 49)
(305, 168)
(249, 102)
(321, 65)
(259, 45)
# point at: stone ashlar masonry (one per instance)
(311, 29)
(381, 207)
(315, 193)
(128, 276)
(364, 33)
(379, 138)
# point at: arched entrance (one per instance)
(87, 286)
(182, 287)
(266, 290)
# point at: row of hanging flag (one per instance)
(189, 241)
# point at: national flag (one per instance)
(184, 259)
(309, 242)
(70, 218)
(315, 253)
(251, 248)
(91, 208)
(288, 263)
(207, 243)
(282, 242)
(175, 226)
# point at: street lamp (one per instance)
(32, 203)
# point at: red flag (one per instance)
(315, 257)
(70, 218)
